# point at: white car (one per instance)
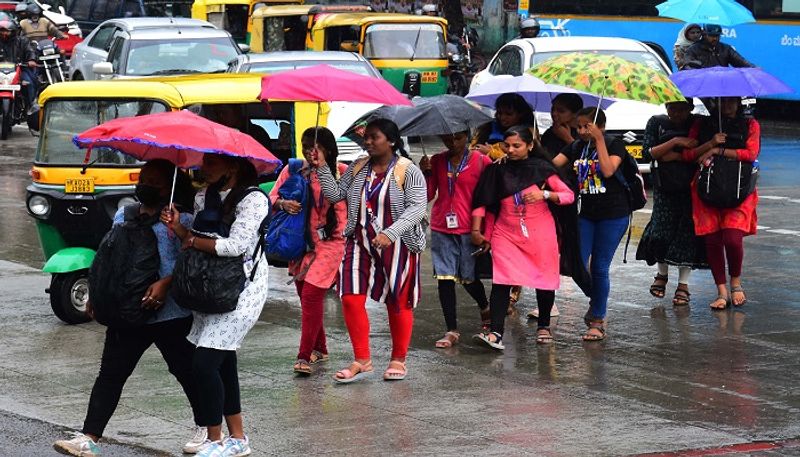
(626, 118)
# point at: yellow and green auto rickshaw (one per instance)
(408, 50)
(286, 27)
(73, 198)
(233, 15)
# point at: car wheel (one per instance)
(69, 293)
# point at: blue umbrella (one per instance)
(728, 82)
(721, 12)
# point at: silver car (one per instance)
(137, 47)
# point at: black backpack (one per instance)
(628, 175)
(726, 183)
(125, 265)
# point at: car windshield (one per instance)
(277, 67)
(65, 119)
(160, 57)
(641, 57)
(404, 41)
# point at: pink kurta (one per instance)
(324, 261)
(531, 261)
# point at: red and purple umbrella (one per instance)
(180, 137)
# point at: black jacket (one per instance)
(17, 50)
(722, 55)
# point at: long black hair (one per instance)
(327, 141)
(184, 191)
(246, 176)
(392, 133)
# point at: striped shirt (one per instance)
(408, 205)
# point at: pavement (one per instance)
(667, 382)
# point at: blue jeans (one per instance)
(600, 240)
(29, 75)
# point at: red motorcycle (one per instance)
(12, 100)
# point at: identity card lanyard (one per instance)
(519, 203)
(452, 177)
(586, 164)
(371, 187)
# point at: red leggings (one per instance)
(312, 332)
(355, 317)
(722, 244)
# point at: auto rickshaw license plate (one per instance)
(430, 76)
(634, 150)
(79, 186)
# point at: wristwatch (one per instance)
(546, 194)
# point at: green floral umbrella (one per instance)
(608, 76)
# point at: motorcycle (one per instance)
(51, 64)
(461, 67)
(12, 101)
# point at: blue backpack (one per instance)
(287, 234)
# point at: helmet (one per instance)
(712, 29)
(529, 28)
(34, 9)
(8, 25)
(21, 8)
(429, 8)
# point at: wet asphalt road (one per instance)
(666, 379)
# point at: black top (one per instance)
(609, 200)
(553, 144)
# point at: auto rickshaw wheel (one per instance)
(69, 293)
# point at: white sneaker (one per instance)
(80, 446)
(234, 447)
(534, 314)
(197, 442)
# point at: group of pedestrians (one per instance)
(510, 204)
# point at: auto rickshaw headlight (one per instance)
(39, 206)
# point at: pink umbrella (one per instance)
(323, 83)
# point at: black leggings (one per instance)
(447, 297)
(499, 306)
(217, 379)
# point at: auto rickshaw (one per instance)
(408, 50)
(233, 15)
(286, 27)
(74, 194)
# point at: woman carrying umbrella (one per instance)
(218, 336)
(452, 176)
(316, 272)
(385, 236)
(725, 228)
(669, 237)
(523, 234)
(604, 209)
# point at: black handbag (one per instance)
(483, 266)
(726, 183)
(207, 283)
(672, 176)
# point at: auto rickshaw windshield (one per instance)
(63, 119)
(404, 41)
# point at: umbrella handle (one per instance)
(600, 102)
(172, 192)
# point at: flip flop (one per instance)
(353, 373)
(302, 367)
(741, 291)
(317, 357)
(544, 336)
(716, 300)
(396, 371)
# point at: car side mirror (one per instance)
(245, 48)
(349, 46)
(103, 68)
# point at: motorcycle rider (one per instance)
(36, 27)
(17, 49)
(529, 28)
(710, 52)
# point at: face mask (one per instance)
(148, 195)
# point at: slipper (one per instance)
(484, 339)
(353, 373)
(595, 325)
(659, 285)
(544, 336)
(318, 357)
(740, 290)
(302, 367)
(449, 339)
(396, 371)
(534, 314)
(720, 307)
(681, 297)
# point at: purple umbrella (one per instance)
(728, 82)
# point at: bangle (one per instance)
(476, 231)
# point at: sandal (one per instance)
(302, 367)
(681, 297)
(396, 371)
(484, 338)
(544, 336)
(716, 306)
(738, 289)
(513, 298)
(659, 286)
(595, 332)
(317, 357)
(486, 318)
(449, 339)
(354, 372)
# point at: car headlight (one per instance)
(125, 201)
(39, 206)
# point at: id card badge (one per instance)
(375, 225)
(523, 227)
(452, 221)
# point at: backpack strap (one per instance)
(400, 171)
(359, 165)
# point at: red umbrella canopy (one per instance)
(323, 83)
(181, 137)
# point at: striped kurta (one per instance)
(382, 275)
